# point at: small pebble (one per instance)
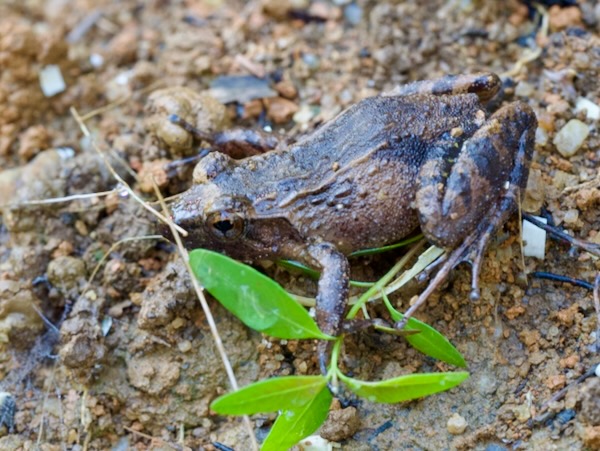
(456, 424)
(281, 110)
(561, 18)
(184, 346)
(52, 81)
(570, 138)
(592, 110)
(315, 443)
(524, 89)
(304, 114)
(66, 272)
(597, 370)
(353, 14)
(96, 60)
(311, 60)
(240, 88)
(571, 216)
(522, 413)
(541, 136)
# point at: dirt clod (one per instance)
(456, 424)
(341, 424)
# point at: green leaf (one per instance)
(313, 274)
(256, 300)
(389, 247)
(297, 266)
(295, 424)
(270, 395)
(404, 388)
(428, 341)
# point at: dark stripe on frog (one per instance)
(488, 161)
(441, 158)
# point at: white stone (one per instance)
(571, 137)
(534, 239)
(541, 136)
(315, 443)
(51, 80)
(96, 60)
(523, 89)
(456, 424)
(592, 111)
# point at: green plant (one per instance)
(303, 401)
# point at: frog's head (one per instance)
(212, 219)
(218, 214)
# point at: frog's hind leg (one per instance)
(461, 208)
(484, 84)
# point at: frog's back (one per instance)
(353, 181)
(407, 124)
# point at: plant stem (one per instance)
(384, 280)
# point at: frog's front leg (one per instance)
(237, 142)
(461, 203)
(333, 293)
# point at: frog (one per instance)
(426, 154)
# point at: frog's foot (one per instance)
(431, 268)
(471, 251)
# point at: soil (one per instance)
(117, 354)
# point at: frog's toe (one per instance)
(431, 268)
(470, 251)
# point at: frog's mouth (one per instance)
(186, 213)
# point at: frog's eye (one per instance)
(225, 225)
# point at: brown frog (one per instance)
(424, 154)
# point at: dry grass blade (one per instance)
(58, 200)
(176, 231)
(209, 317)
(597, 307)
(531, 54)
(156, 439)
(119, 179)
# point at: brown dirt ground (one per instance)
(134, 355)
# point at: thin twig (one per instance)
(597, 307)
(520, 212)
(532, 54)
(57, 200)
(110, 251)
(119, 179)
(122, 100)
(45, 320)
(563, 279)
(154, 439)
(559, 394)
(589, 184)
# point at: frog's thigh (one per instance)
(484, 84)
(486, 164)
